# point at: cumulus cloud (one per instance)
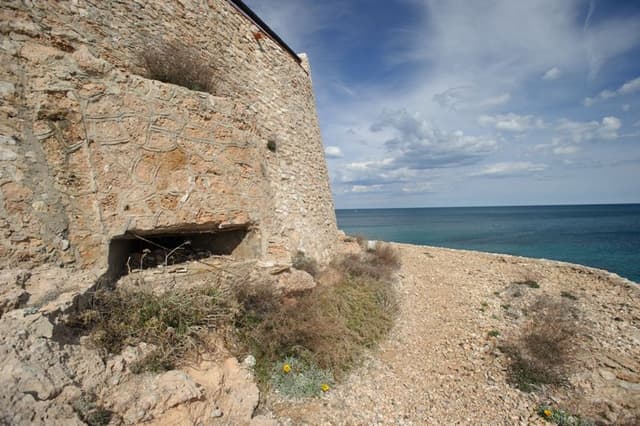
(333, 152)
(469, 97)
(567, 149)
(552, 74)
(419, 145)
(511, 122)
(631, 86)
(510, 168)
(580, 131)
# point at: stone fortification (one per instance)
(93, 151)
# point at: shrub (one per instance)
(175, 322)
(298, 378)
(542, 355)
(493, 333)
(568, 295)
(379, 263)
(176, 63)
(305, 263)
(529, 283)
(91, 413)
(327, 327)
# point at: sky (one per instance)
(472, 103)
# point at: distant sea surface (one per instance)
(602, 236)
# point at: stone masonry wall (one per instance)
(91, 149)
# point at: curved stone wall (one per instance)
(91, 149)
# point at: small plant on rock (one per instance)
(562, 417)
(299, 378)
(305, 263)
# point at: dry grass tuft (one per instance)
(543, 354)
(176, 322)
(305, 263)
(176, 63)
(379, 263)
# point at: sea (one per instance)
(602, 236)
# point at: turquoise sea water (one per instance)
(602, 236)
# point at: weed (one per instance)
(176, 63)
(305, 263)
(542, 355)
(496, 293)
(378, 264)
(91, 413)
(568, 295)
(175, 322)
(561, 417)
(529, 283)
(299, 378)
(493, 333)
(506, 306)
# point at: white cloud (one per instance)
(552, 74)
(630, 87)
(333, 152)
(510, 168)
(419, 145)
(580, 131)
(510, 122)
(568, 149)
(366, 188)
(627, 88)
(469, 97)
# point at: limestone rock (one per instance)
(295, 280)
(239, 395)
(146, 397)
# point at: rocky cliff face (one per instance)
(94, 152)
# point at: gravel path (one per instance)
(439, 366)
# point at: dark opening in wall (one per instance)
(138, 251)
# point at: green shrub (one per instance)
(561, 417)
(328, 326)
(90, 412)
(299, 378)
(493, 333)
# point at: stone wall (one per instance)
(91, 149)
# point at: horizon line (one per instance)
(492, 205)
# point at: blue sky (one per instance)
(471, 103)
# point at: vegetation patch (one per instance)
(325, 329)
(562, 417)
(298, 378)
(305, 263)
(90, 412)
(175, 322)
(543, 353)
(568, 295)
(529, 283)
(493, 333)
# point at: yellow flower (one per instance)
(286, 368)
(324, 387)
(547, 413)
